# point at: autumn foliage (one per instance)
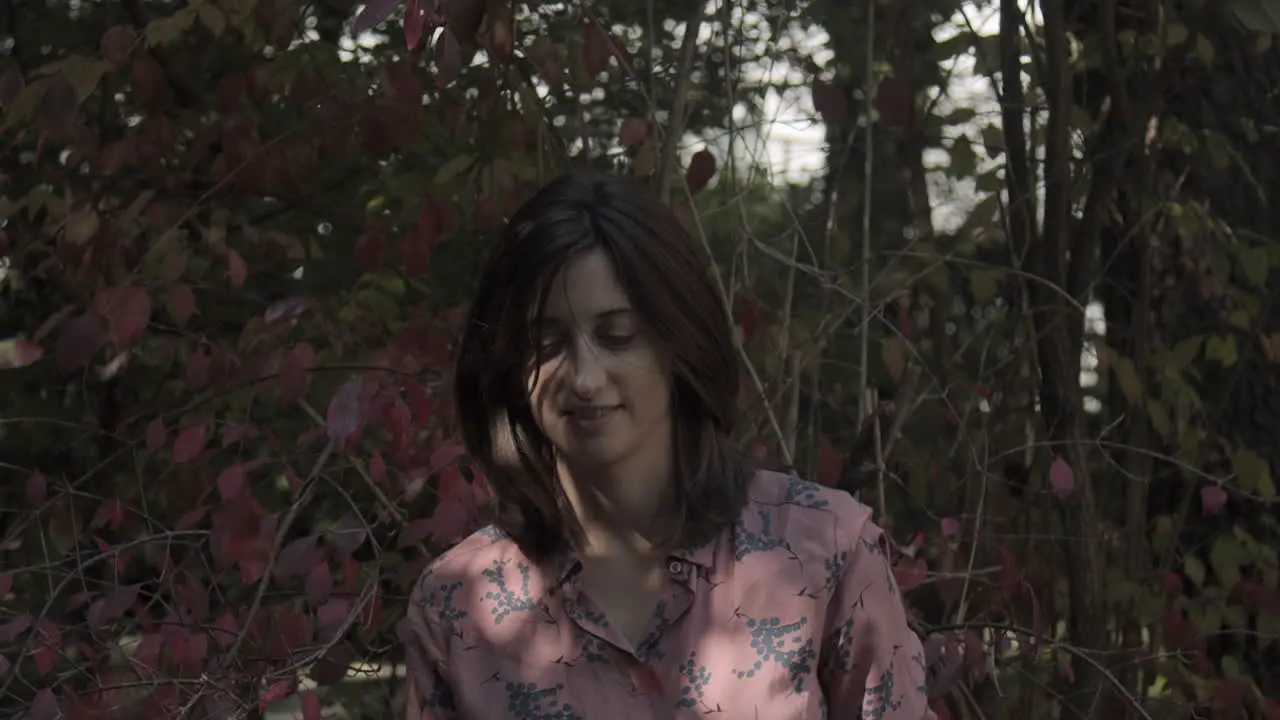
(239, 236)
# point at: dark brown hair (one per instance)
(670, 285)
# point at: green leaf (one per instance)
(964, 161)
(985, 284)
(1235, 617)
(1255, 262)
(167, 29)
(1162, 538)
(1176, 33)
(1251, 469)
(989, 182)
(1159, 417)
(1204, 50)
(24, 106)
(1222, 349)
(1209, 620)
(212, 17)
(453, 169)
(959, 44)
(993, 141)
(1260, 16)
(84, 74)
(1127, 375)
(1226, 558)
(894, 354)
(1194, 569)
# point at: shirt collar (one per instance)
(562, 564)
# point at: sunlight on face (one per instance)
(600, 387)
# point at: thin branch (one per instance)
(676, 121)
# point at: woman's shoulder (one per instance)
(792, 506)
(455, 573)
(790, 492)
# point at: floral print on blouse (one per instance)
(791, 614)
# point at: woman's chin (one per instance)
(597, 452)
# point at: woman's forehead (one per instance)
(586, 287)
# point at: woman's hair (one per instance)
(669, 283)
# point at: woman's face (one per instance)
(600, 387)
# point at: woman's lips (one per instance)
(590, 420)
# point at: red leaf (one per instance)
(348, 536)
(278, 691)
(297, 558)
(895, 102)
(36, 487)
(231, 482)
(196, 370)
(11, 83)
(1212, 500)
(319, 584)
(310, 706)
(702, 167)
(6, 584)
(346, 413)
(634, 131)
(237, 271)
(419, 402)
(44, 706)
(830, 464)
(112, 606)
(595, 48)
(455, 509)
(149, 83)
(1061, 478)
(50, 645)
(289, 309)
(448, 58)
(430, 222)
(189, 444)
(19, 353)
(950, 527)
(225, 630)
(446, 455)
(371, 248)
(180, 303)
(79, 340)
(295, 373)
(191, 518)
(910, 573)
(378, 469)
(414, 19)
(830, 102)
(333, 612)
(127, 310)
(416, 250)
(116, 44)
(156, 435)
(373, 15)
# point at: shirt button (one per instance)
(675, 568)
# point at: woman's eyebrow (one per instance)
(610, 313)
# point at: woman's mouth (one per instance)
(592, 418)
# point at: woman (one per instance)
(638, 567)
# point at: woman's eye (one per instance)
(547, 348)
(616, 340)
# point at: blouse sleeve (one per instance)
(872, 665)
(429, 695)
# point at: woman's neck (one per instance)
(622, 508)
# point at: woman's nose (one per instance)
(586, 369)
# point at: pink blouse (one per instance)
(791, 614)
